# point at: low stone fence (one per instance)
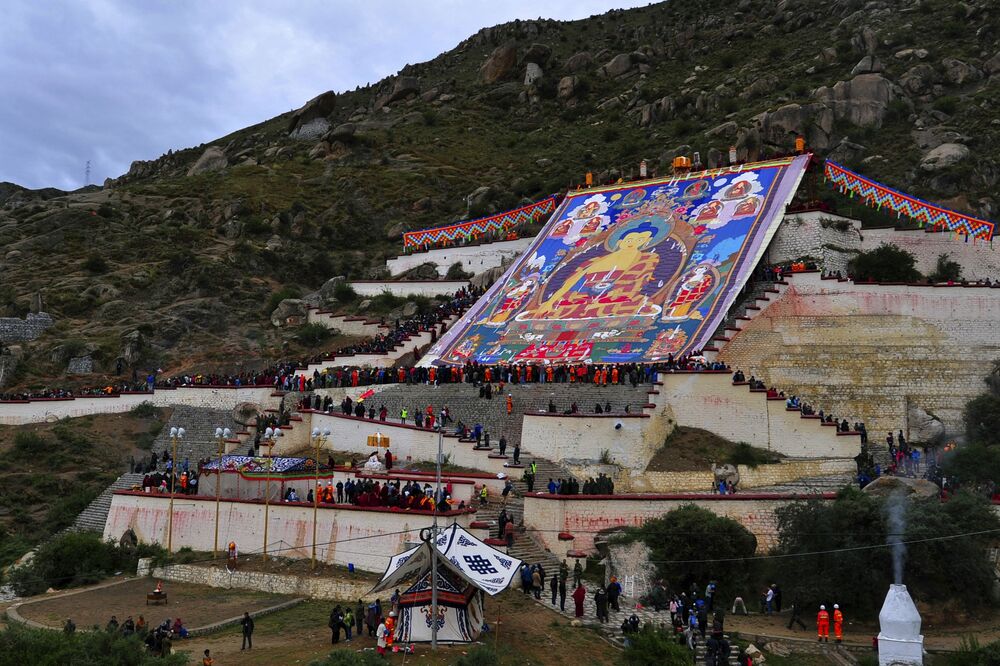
(320, 587)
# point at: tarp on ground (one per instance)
(629, 273)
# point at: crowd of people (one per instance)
(410, 495)
(158, 640)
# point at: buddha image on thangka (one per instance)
(622, 274)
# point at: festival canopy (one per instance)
(460, 553)
(259, 465)
(629, 273)
(923, 213)
(471, 229)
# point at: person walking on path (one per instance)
(577, 573)
(554, 588)
(579, 595)
(601, 601)
(562, 592)
(823, 625)
(614, 591)
(796, 616)
(246, 624)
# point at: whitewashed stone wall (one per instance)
(368, 288)
(868, 352)
(364, 537)
(474, 259)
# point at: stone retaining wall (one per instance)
(334, 589)
(750, 477)
(13, 329)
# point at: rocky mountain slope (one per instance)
(178, 261)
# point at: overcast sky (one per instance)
(113, 81)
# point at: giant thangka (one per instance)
(629, 273)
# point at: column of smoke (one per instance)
(895, 511)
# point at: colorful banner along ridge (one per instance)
(629, 273)
(877, 195)
(501, 222)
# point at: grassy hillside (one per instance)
(193, 262)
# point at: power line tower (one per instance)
(86, 180)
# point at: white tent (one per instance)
(467, 568)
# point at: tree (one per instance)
(689, 536)
(886, 263)
(842, 558)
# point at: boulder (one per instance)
(924, 429)
(318, 108)
(958, 72)
(932, 137)
(862, 100)
(320, 150)
(500, 65)
(884, 486)
(288, 311)
(918, 79)
(865, 41)
(618, 66)
(213, 159)
(654, 112)
(725, 130)
(582, 60)
(329, 288)
(868, 65)
(38, 303)
(847, 151)
(132, 346)
(532, 73)
(342, 132)
(538, 54)
(992, 65)
(409, 309)
(567, 87)
(401, 89)
(479, 196)
(944, 156)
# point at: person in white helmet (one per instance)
(838, 623)
(823, 625)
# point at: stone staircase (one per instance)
(92, 518)
(525, 547)
(199, 440)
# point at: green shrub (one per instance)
(95, 264)
(280, 295)
(886, 263)
(655, 647)
(744, 454)
(947, 104)
(145, 410)
(345, 293)
(456, 272)
(348, 657)
(480, 655)
(71, 560)
(946, 270)
(43, 647)
(312, 334)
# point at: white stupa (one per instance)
(899, 641)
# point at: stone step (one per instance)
(95, 515)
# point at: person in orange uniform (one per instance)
(838, 623)
(510, 404)
(823, 624)
(390, 625)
